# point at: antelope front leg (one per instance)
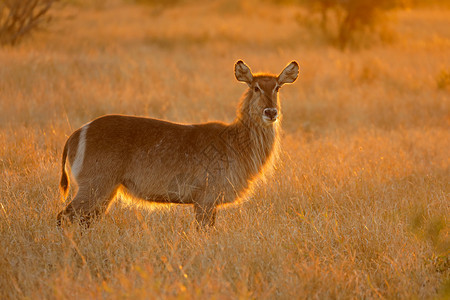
(205, 215)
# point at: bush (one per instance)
(443, 80)
(347, 20)
(160, 2)
(20, 17)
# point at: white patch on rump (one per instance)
(81, 149)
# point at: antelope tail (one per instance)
(64, 183)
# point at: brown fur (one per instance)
(205, 164)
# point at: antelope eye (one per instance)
(256, 89)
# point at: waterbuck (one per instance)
(157, 161)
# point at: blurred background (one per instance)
(363, 63)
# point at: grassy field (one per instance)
(358, 206)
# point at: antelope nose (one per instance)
(272, 113)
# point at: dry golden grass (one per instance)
(358, 207)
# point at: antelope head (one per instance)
(262, 103)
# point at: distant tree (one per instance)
(20, 17)
(351, 17)
(164, 3)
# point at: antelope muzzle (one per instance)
(270, 115)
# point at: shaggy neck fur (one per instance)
(258, 146)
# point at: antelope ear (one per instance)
(243, 72)
(289, 74)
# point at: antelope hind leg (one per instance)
(89, 203)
